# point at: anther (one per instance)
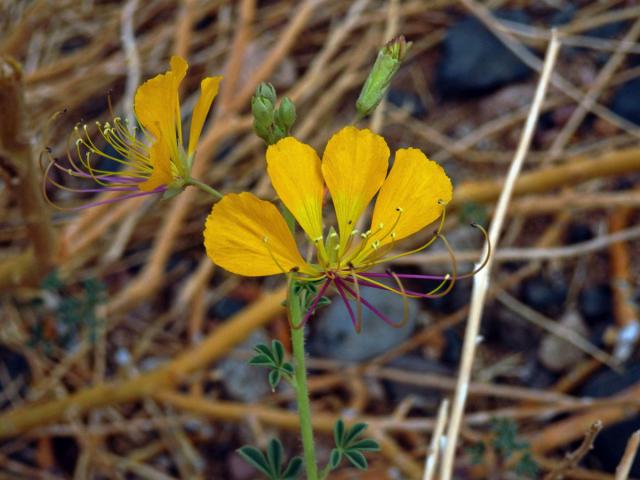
(399, 209)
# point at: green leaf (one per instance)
(527, 466)
(278, 351)
(274, 378)
(254, 457)
(365, 445)
(261, 361)
(476, 452)
(335, 458)
(505, 433)
(287, 368)
(338, 433)
(357, 459)
(275, 455)
(324, 301)
(264, 350)
(355, 432)
(293, 469)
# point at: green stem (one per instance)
(325, 472)
(302, 393)
(204, 187)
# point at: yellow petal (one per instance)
(161, 164)
(294, 169)
(156, 102)
(208, 91)
(354, 165)
(408, 199)
(249, 236)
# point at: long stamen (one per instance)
(486, 257)
(345, 299)
(314, 305)
(373, 309)
(411, 252)
(358, 301)
(405, 302)
(369, 282)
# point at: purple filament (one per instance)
(364, 283)
(402, 275)
(314, 305)
(373, 309)
(345, 299)
(159, 189)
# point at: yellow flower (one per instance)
(158, 160)
(248, 236)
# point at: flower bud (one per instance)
(266, 90)
(387, 63)
(286, 114)
(262, 110)
(262, 131)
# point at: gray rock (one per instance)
(475, 61)
(626, 101)
(335, 337)
(242, 381)
(611, 441)
(557, 354)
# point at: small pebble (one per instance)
(556, 353)
(335, 337)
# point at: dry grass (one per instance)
(131, 383)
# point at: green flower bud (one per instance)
(262, 110)
(286, 114)
(263, 131)
(387, 63)
(277, 133)
(266, 90)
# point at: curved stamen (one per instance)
(435, 236)
(485, 260)
(358, 302)
(345, 299)
(437, 277)
(376, 250)
(405, 302)
(368, 282)
(313, 307)
(373, 309)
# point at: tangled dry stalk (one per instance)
(160, 284)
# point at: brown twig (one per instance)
(16, 158)
(574, 458)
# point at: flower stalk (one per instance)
(296, 305)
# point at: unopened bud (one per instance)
(387, 63)
(266, 90)
(262, 131)
(286, 114)
(262, 110)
